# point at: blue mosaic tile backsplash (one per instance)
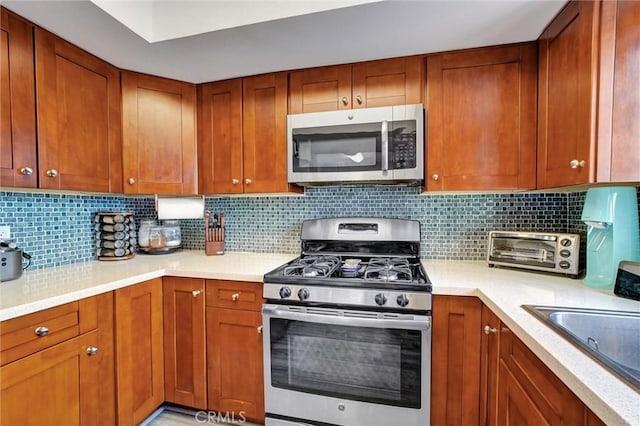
(57, 228)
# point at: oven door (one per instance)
(347, 367)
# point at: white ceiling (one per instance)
(246, 38)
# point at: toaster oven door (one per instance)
(538, 251)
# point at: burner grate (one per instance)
(313, 266)
(395, 269)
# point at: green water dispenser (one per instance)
(611, 216)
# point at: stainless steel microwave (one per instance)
(358, 145)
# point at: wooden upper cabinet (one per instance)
(79, 118)
(481, 119)
(264, 115)
(18, 165)
(566, 96)
(159, 143)
(386, 82)
(619, 97)
(220, 137)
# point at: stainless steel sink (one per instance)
(610, 337)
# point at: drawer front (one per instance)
(234, 295)
(30, 333)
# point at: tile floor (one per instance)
(169, 417)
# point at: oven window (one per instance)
(524, 251)
(355, 147)
(359, 363)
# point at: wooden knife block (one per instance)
(214, 248)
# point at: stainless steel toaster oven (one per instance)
(540, 251)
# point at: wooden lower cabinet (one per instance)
(67, 383)
(489, 365)
(185, 363)
(234, 354)
(139, 351)
(455, 360)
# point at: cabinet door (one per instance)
(455, 360)
(529, 393)
(185, 368)
(320, 89)
(481, 119)
(619, 93)
(57, 386)
(490, 364)
(265, 136)
(566, 97)
(79, 120)
(234, 351)
(388, 82)
(220, 137)
(139, 351)
(17, 109)
(159, 153)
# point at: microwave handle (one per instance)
(385, 145)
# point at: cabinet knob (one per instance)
(574, 164)
(41, 331)
(92, 350)
(235, 181)
(359, 99)
(131, 181)
(260, 329)
(345, 101)
(196, 293)
(52, 173)
(247, 181)
(489, 330)
(26, 171)
(235, 297)
(435, 176)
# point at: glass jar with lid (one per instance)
(143, 232)
(157, 239)
(172, 233)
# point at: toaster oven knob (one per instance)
(303, 294)
(380, 299)
(564, 264)
(565, 253)
(402, 300)
(565, 242)
(285, 292)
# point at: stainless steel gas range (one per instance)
(347, 327)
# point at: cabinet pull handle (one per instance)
(435, 176)
(574, 164)
(26, 171)
(41, 331)
(248, 181)
(345, 101)
(92, 350)
(52, 173)
(131, 181)
(489, 330)
(234, 181)
(196, 293)
(260, 329)
(235, 297)
(359, 99)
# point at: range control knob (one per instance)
(380, 299)
(402, 300)
(285, 292)
(565, 242)
(303, 294)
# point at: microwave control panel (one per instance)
(402, 154)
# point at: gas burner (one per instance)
(313, 266)
(389, 269)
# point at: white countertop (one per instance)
(502, 290)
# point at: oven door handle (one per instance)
(416, 322)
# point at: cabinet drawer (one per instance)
(234, 295)
(30, 333)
